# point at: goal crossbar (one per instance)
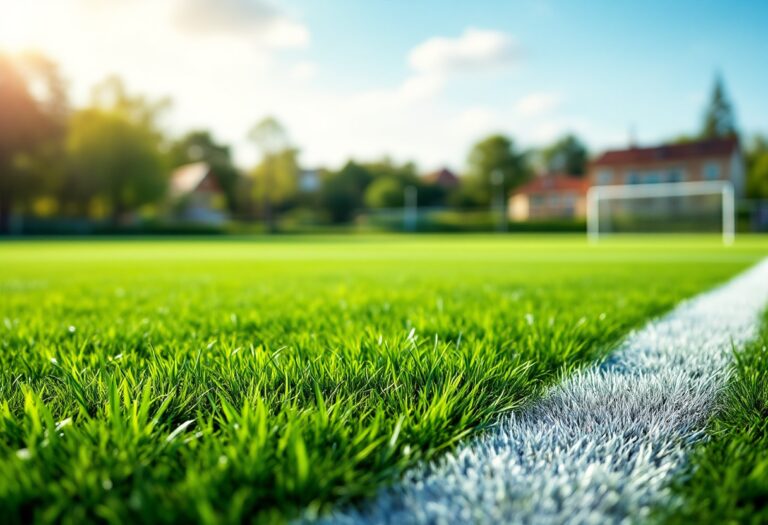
(666, 189)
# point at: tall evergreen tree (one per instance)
(719, 119)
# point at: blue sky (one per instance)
(416, 79)
(649, 64)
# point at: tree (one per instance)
(757, 167)
(272, 177)
(682, 138)
(115, 150)
(342, 192)
(276, 178)
(567, 155)
(405, 173)
(719, 119)
(371, 184)
(494, 154)
(388, 183)
(385, 192)
(200, 145)
(467, 197)
(31, 119)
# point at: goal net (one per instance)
(706, 206)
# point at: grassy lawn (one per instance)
(727, 479)
(235, 380)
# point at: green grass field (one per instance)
(727, 479)
(237, 380)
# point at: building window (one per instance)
(711, 171)
(632, 177)
(675, 175)
(537, 200)
(605, 176)
(653, 177)
(552, 201)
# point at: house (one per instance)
(443, 178)
(704, 160)
(196, 195)
(550, 196)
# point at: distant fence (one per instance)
(752, 216)
(428, 220)
(68, 226)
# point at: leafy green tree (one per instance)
(385, 192)
(342, 192)
(467, 196)
(275, 178)
(430, 194)
(567, 155)
(683, 138)
(494, 154)
(719, 120)
(372, 184)
(757, 167)
(199, 145)
(31, 122)
(116, 150)
(405, 173)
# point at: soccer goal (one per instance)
(663, 207)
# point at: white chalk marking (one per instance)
(599, 447)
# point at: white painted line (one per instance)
(599, 447)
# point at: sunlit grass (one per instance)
(727, 478)
(240, 380)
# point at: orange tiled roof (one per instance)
(554, 183)
(669, 152)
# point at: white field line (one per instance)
(599, 447)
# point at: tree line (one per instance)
(112, 159)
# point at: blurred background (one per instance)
(246, 116)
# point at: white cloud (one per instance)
(225, 80)
(303, 71)
(221, 16)
(474, 50)
(475, 120)
(437, 59)
(538, 103)
(258, 18)
(414, 89)
(286, 34)
(420, 87)
(408, 120)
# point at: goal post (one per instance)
(598, 194)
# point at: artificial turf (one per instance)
(249, 380)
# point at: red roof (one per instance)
(669, 152)
(193, 177)
(554, 183)
(445, 178)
